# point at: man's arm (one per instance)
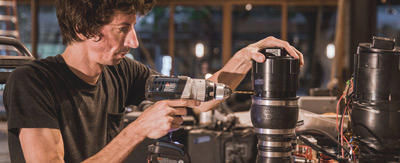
(46, 145)
(237, 67)
(155, 122)
(42, 145)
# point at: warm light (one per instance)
(248, 7)
(166, 65)
(330, 51)
(199, 50)
(208, 75)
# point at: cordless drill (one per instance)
(181, 87)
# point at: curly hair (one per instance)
(86, 17)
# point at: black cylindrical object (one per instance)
(274, 110)
(376, 106)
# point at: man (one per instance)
(70, 107)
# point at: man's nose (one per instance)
(131, 39)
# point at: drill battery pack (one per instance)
(167, 152)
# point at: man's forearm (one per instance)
(231, 74)
(120, 147)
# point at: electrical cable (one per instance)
(351, 148)
(318, 148)
(337, 117)
(187, 153)
(349, 88)
(337, 111)
(325, 134)
(341, 129)
(347, 108)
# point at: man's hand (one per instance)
(251, 52)
(162, 117)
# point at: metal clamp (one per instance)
(275, 102)
(274, 131)
(274, 144)
(274, 154)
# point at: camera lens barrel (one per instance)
(376, 106)
(274, 111)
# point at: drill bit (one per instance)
(244, 92)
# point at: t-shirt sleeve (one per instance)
(139, 73)
(28, 101)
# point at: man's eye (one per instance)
(124, 29)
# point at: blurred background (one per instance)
(196, 38)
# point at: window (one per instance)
(311, 29)
(152, 31)
(251, 24)
(198, 39)
(49, 37)
(388, 21)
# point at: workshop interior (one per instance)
(342, 105)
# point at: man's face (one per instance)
(118, 37)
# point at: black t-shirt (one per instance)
(47, 94)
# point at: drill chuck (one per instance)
(183, 87)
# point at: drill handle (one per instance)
(166, 138)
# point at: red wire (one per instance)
(354, 155)
(337, 112)
(341, 130)
(351, 148)
(344, 113)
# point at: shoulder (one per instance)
(37, 69)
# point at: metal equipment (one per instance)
(375, 111)
(161, 88)
(8, 63)
(274, 109)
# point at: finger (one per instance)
(174, 127)
(288, 48)
(257, 56)
(177, 121)
(178, 111)
(301, 57)
(274, 42)
(182, 103)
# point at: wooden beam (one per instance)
(284, 21)
(337, 67)
(226, 33)
(34, 28)
(253, 2)
(221, 2)
(171, 36)
(42, 2)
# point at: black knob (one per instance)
(383, 43)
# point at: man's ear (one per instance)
(95, 38)
(82, 37)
